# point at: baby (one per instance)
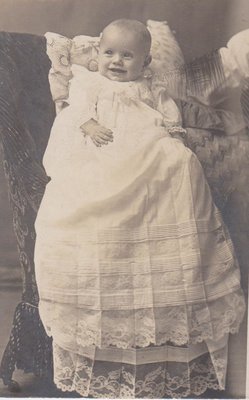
(124, 54)
(137, 277)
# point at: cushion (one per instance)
(83, 50)
(198, 116)
(238, 46)
(235, 64)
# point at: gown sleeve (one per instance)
(172, 118)
(83, 94)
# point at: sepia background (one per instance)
(200, 26)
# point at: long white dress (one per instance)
(138, 282)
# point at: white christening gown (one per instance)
(139, 286)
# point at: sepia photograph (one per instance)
(124, 199)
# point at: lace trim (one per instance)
(159, 380)
(140, 328)
(175, 129)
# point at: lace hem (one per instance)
(119, 380)
(202, 385)
(180, 325)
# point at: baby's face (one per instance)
(122, 56)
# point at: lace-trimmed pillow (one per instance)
(58, 51)
(83, 50)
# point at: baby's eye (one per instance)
(127, 55)
(108, 52)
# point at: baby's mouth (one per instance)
(117, 70)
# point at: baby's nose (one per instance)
(117, 59)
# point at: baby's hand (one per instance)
(98, 133)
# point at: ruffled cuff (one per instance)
(175, 130)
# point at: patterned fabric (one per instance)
(26, 116)
(28, 348)
(24, 136)
(220, 138)
(151, 380)
(193, 81)
(178, 324)
(245, 100)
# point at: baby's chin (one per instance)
(118, 76)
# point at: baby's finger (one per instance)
(107, 132)
(99, 140)
(106, 137)
(102, 137)
(95, 142)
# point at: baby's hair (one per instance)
(132, 25)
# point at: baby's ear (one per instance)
(147, 60)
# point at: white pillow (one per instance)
(238, 46)
(165, 50)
